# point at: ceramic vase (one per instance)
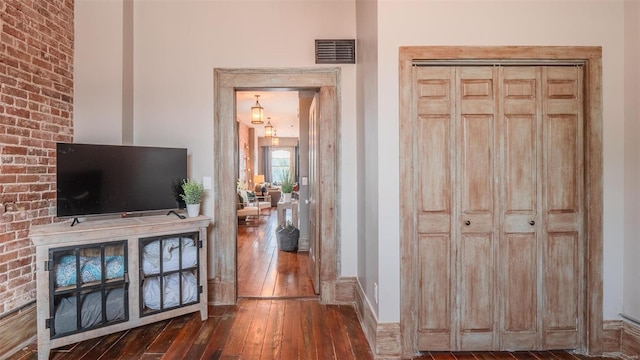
(193, 210)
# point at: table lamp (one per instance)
(257, 181)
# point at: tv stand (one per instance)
(110, 264)
(75, 221)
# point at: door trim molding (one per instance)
(543, 55)
(223, 274)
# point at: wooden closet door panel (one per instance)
(562, 295)
(434, 309)
(563, 265)
(476, 199)
(519, 130)
(434, 205)
(477, 292)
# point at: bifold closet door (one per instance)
(498, 163)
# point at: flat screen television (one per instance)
(117, 179)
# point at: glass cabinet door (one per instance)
(88, 287)
(169, 276)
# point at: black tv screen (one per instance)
(111, 179)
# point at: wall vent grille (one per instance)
(336, 51)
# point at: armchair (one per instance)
(247, 211)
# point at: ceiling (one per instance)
(279, 105)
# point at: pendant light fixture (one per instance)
(257, 113)
(268, 129)
(275, 140)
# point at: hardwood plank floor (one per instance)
(266, 272)
(277, 317)
(252, 329)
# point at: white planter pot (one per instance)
(286, 197)
(193, 210)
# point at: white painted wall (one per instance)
(367, 85)
(631, 303)
(97, 86)
(454, 22)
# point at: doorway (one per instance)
(223, 272)
(270, 151)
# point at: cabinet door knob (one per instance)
(532, 222)
(467, 222)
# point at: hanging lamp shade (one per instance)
(268, 129)
(274, 139)
(257, 113)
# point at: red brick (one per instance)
(7, 29)
(28, 124)
(36, 169)
(31, 142)
(20, 262)
(18, 281)
(29, 87)
(15, 188)
(28, 197)
(19, 74)
(7, 179)
(6, 80)
(21, 103)
(14, 150)
(11, 169)
(18, 112)
(9, 139)
(7, 120)
(12, 130)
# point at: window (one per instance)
(280, 162)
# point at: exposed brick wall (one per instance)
(36, 105)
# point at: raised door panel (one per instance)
(563, 265)
(434, 196)
(434, 309)
(519, 290)
(476, 292)
(562, 295)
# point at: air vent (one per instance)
(335, 51)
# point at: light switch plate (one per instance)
(206, 182)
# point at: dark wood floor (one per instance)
(277, 317)
(266, 272)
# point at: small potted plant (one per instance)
(192, 196)
(286, 185)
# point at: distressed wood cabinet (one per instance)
(105, 276)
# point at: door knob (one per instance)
(532, 222)
(467, 222)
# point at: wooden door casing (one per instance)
(498, 172)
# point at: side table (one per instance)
(282, 212)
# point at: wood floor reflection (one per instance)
(266, 272)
